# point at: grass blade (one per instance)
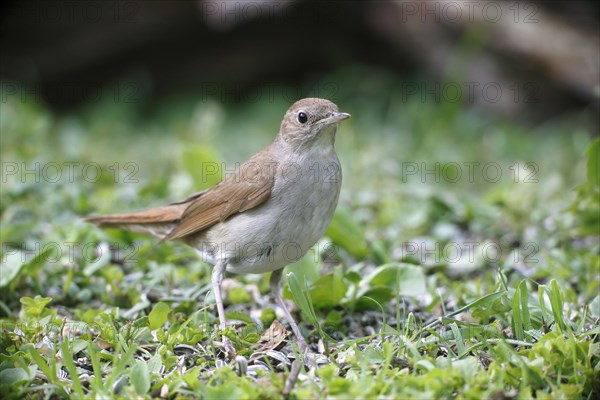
(70, 366)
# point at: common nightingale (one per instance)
(265, 215)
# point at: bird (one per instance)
(265, 215)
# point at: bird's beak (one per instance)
(336, 117)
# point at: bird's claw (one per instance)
(227, 347)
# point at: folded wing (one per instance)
(248, 187)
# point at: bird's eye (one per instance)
(302, 117)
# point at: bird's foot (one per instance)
(227, 347)
(310, 359)
(308, 356)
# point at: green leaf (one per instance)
(267, 316)
(101, 262)
(123, 359)
(93, 354)
(34, 307)
(68, 355)
(460, 345)
(524, 297)
(15, 264)
(238, 315)
(11, 376)
(374, 297)
(387, 282)
(593, 164)
(155, 363)
(487, 300)
(300, 297)
(520, 312)
(47, 370)
(407, 279)
(239, 295)
(556, 300)
(595, 307)
(328, 290)
(140, 377)
(11, 266)
(158, 315)
(346, 233)
(516, 314)
(542, 289)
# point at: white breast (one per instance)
(284, 228)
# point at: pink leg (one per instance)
(275, 289)
(217, 278)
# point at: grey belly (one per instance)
(274, 234)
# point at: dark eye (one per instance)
(302, 117)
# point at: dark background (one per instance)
(63, 51)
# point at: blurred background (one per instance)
(471, 119)
(471, 171)
(530, 60)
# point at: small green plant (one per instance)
(86, 313)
